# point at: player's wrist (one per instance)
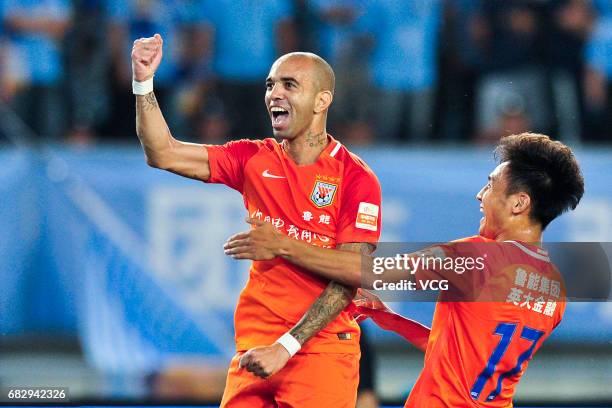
(279, 348)
(289, 343)
(143, 87)
(285, 246)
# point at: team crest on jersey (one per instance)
(323, 193)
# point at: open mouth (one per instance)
(280, 117)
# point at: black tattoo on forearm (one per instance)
(317, 139)
(147, 102)
(326, 308)
(334, 299)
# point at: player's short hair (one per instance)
(546, 170)
(325, 78)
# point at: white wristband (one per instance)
(289, 343)
(142, 88)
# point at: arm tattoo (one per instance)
(147, 102)
(334, 299)
(317, 139)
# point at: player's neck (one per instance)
(528, 233)
(306, 148)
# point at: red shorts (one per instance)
(307, 381)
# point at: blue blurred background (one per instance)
(113, 277)
(407, 71)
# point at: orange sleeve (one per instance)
(462, 263)
(360, 216)
(414, 332)
(227, 162)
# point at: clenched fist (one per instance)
(265, 361)
(146, 56)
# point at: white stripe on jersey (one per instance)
(528, 251)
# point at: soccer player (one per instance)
(312, 190)
(476, 351)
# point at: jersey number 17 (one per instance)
(506, 331)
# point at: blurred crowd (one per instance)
(407, 70)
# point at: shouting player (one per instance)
(478, 347)
(312, 189)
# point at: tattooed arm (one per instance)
(161, 149)
(266, 361)
(334, 299)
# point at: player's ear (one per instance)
(322, 101)
(522, 202)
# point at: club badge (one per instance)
(323, 193)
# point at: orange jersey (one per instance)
(478, 350)
(335, 200)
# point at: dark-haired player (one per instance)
(476, 352)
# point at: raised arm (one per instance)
(161, 149)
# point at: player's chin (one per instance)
(281, 132)
(482, 227)
(483, 231)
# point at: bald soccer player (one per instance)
(313, 190)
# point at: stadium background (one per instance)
(113, 279)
